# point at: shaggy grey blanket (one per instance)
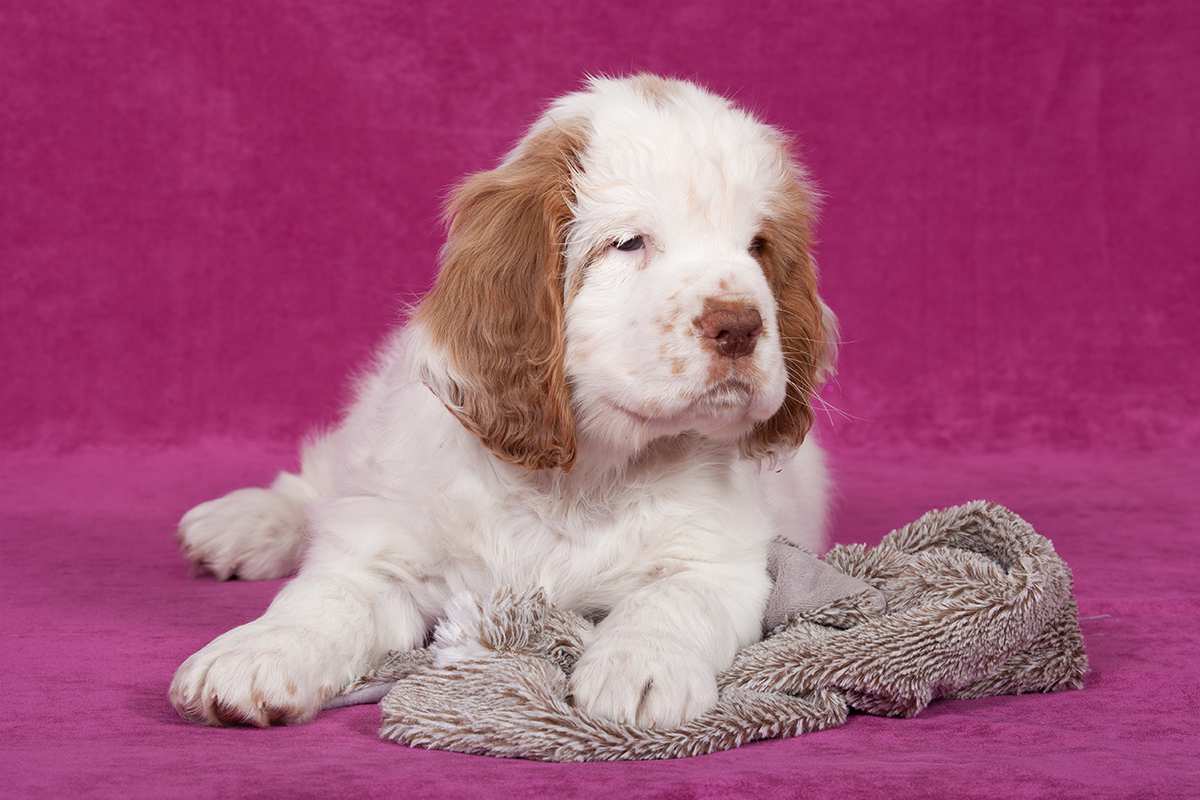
(965, 602)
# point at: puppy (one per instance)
(605, 394)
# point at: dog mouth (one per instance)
(727, 395)
(719, 400)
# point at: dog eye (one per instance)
(756, 245)
(630, 244)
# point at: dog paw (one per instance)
(253, 534)
(643, 681)
(259, 674)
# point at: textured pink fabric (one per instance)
(99, 610)
(211, 211)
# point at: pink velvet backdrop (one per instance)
(210, 212)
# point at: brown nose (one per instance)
(733, 328)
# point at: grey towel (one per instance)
(964, 602)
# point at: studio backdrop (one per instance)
(211, 212)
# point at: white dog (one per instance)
(605, 394)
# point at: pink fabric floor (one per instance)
(210, 212)
(100, 609)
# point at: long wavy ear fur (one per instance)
(497, 305)
(807, 328)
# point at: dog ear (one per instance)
(496, 308)
(807, 327)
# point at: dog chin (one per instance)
(725, 413)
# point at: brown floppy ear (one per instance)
(807, 328)
(496, 308)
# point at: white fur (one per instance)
(661, 526)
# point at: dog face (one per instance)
(638, 267)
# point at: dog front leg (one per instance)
(323, 630)
(656, 655)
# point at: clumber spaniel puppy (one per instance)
(606, 394)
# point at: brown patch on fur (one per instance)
(786, 259)
(280, 715)
(228, 714)
(678, 365)
(657, 91)
(497, 306)
(575, 285)
(580, 275)
(718, 370)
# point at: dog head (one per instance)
(638, 267)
